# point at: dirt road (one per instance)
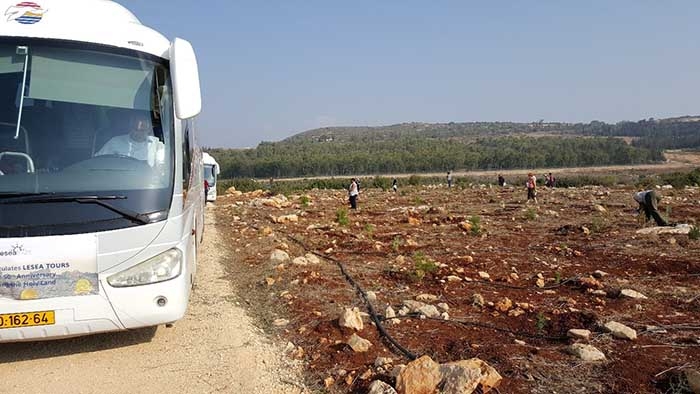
(215, 348)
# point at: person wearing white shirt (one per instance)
(139, 143)
(648, 202)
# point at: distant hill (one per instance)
(426, 130)
(430, 147)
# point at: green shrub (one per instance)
(541, 322)
(341, 216)
(414, 180)
(531, 214)
(423, 265)
(381, 183)
(396, 243)
(694, 233)
(475, 221)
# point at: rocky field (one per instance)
(563, 296)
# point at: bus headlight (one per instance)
(160, 268)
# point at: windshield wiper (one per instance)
(40, 198)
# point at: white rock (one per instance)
(389, 313)
(358, 343)
(279, 256)
(382, 361)
(484, 275)
(445, 316)
(457, 379)
(371, 296)
(579, 334)
(620, 330)
(586, 352)
(351, 318)
(426, 297)
(520, 342)
(300, 261)
(379, 387)
(413, 306)
(599, 274)
(429, 311)
(280, 322)
(633, 294)
(454, 278)
(312, 258)
(443, 306)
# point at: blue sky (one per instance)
(272, 69)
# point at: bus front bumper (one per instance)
(113, 309)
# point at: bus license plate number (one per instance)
(14, 320)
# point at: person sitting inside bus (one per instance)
(139, 143)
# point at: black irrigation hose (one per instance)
(372, 313)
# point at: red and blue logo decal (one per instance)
(26, 13)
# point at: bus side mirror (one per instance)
(185, 76)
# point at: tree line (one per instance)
(412, 154)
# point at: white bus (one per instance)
(211, 173)
(101, 199)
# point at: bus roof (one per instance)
(96, 21)
(208, 159)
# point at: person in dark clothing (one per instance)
(501, 180)
(648, 201)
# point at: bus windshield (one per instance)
(209, 174)
(80, 120)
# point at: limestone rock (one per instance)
(443, 306)
(420, 376)
(371, 296)
(620, 330)
(484, 275)
(285, 219)
(429, 311)
(389, 313)
(312, 258)
(466, 226)
(586, 352)
(600, 208)
(633, 294)
(351, 318)
(426, 297)
(300, 261)
(382, 361)
(504, 305)
(478, 300)
(489, 377)
(579, 334)
(359, 344)
(379, 387)
(679, 229)
(413, 306)
(458, 379)
(279, 256)
(280, 322)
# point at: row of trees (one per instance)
(411, 154)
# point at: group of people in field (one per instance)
(647, 199)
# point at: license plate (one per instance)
(14, 320)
